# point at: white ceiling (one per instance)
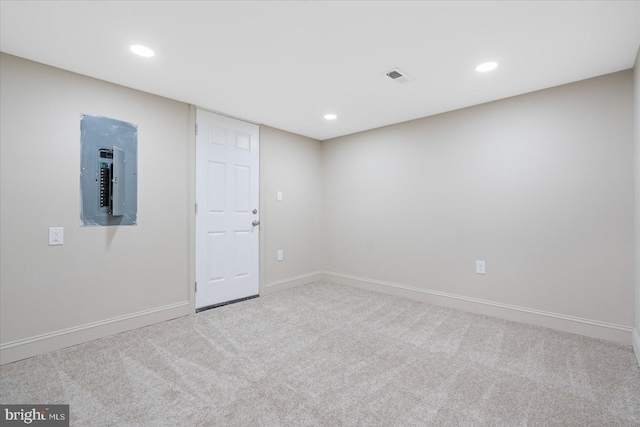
(286, 64)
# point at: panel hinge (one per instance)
(196, 209)
(196, 286)
(196, 129)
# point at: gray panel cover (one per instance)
(118, 182)
(102, 133)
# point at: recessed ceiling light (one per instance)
(487, 66)
(138, 49)
(330, 116)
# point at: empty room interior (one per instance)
(320, 213)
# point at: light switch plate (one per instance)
(480, 267)
(280, 255)
(279, 196)
(56, 236)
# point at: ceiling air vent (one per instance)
(397, 75)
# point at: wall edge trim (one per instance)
(56, 340)
(290, 279)
(589, 327)
(292, 282)
(635, 337)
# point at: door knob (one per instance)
(254, 223)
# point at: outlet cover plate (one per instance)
(56, 236)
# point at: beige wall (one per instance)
(291, 164)
(540, 186)
(103, 279)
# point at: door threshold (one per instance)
(209, 307)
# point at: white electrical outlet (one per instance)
(56, 236)
(279, 196)
(480, 267)
(280, 255)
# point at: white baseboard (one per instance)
(636, 344)
(32, 346)
(292, 282)
(577, 325)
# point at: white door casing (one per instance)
(227, 195)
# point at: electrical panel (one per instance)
(108, 171)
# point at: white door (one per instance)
(226, 214)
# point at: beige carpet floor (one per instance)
(330, 355)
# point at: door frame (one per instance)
(191, 206)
